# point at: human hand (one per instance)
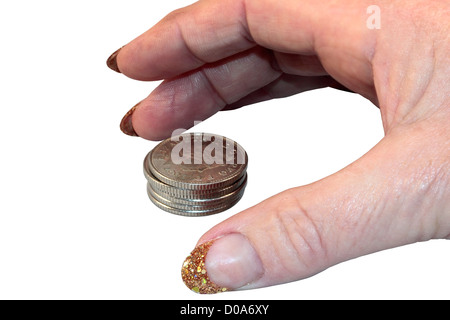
(225, 54)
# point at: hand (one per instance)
(225, 54)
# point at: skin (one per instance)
(396, 194)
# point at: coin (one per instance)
(169, 191)
(193, 213)
(198, 202)
(198, 171)
(196, 174)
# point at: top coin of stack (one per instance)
(196, 174)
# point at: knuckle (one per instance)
(175, 14)
(299, 235)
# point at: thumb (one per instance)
(381, 201)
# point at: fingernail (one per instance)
(227, 263)
(112, 61)
(126, 124)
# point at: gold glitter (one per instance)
(195, 262)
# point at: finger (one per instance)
(301, 65)
(179, 102)
(210, 30)
(186, 39)
(372, 205)
(157, 122)
(222, 91)
(285, 86)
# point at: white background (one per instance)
(75, 220)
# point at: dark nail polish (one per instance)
(112, 61)
(126, 125)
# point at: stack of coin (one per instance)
(196, 174)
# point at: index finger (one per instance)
(210, 30)
(186, 39)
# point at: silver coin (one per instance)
(211, 194)
(197, 161)
(194, 204)
(186, 207)
(194, 212)
(170, 191)
(196, 174)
